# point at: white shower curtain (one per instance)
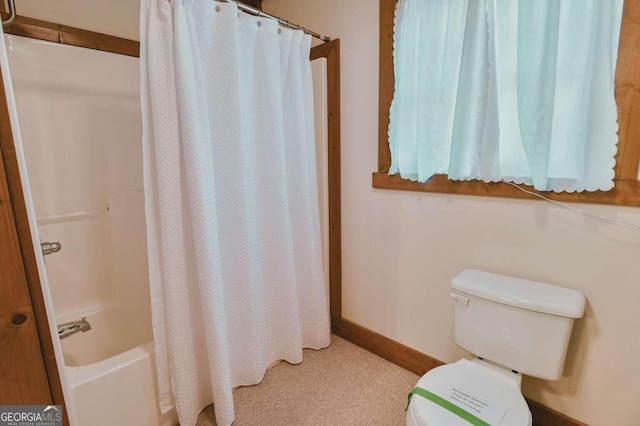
(233, 222)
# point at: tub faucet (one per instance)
(69, 328)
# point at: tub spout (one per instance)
(70, 328)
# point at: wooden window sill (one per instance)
(625, 193)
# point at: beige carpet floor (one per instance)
(340, 385)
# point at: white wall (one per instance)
(401, 249)
(114, 17)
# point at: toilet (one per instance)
(513, 327)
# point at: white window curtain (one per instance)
(506, 90)
(230, 178)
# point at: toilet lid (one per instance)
(489, 396)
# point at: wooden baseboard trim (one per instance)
(545, 416)
(419, 363)
(392, 351)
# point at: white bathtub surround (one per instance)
(7, 81)
(232, 206)
(81, 125)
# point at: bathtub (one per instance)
(120, 390)
(111, 384)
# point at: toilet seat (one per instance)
(497, 387)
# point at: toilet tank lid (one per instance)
(520, 293)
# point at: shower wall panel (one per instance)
(81, 124)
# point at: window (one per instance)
(626, 190)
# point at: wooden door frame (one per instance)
(44, 386)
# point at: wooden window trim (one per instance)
(627, 87)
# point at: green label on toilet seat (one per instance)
(447, 406)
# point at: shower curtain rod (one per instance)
(257, 12)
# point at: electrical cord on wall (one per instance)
(581, 212)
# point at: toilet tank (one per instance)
(520, 324)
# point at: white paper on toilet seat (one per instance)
(482, 409)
